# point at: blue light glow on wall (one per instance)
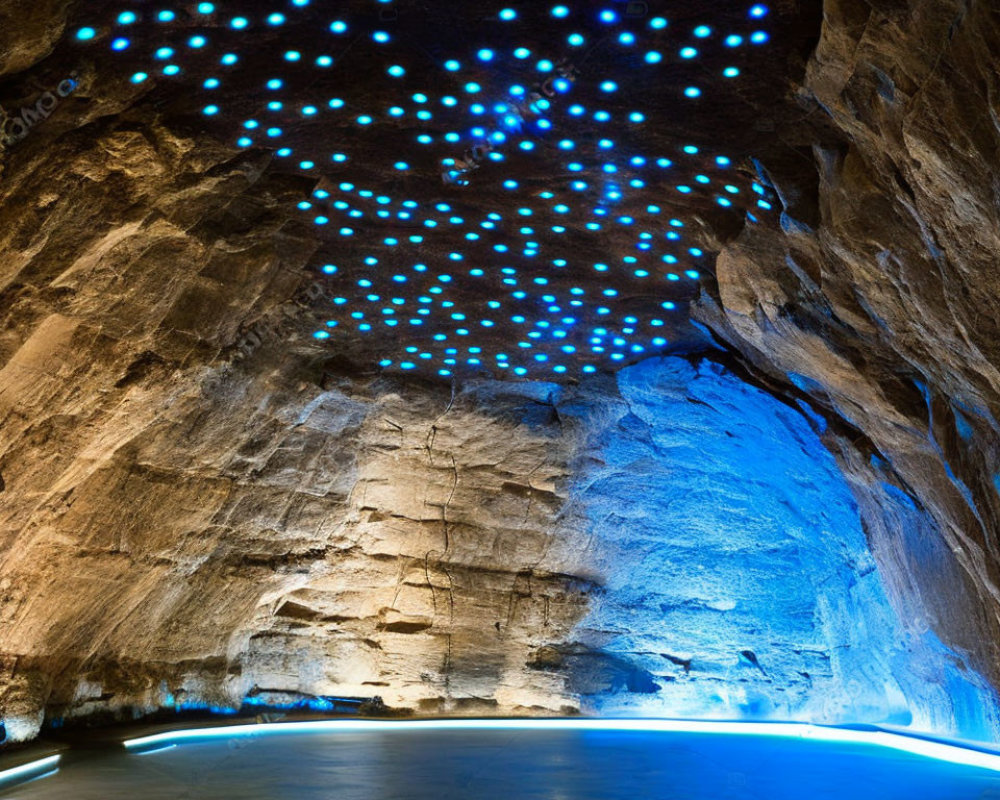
(739, 582)
(498, 117)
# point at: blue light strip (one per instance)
(936, 750)
(31, 769)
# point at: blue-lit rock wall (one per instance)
(737, 579)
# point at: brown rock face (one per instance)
(200, 504)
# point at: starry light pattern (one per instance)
(488, 198)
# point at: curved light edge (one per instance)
(932, 749)
(29, 769)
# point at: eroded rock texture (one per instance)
(877, 296)
(197, 504)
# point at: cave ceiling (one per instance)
(522, 190)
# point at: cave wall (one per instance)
(875, 295)
(672, 542)
(199, 505)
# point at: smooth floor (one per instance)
(571, 765)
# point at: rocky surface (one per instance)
(875, 298)
(484, 552)
(198, 504)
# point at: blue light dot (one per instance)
(338, 26)
(508, 14)
(733, 40)
(197, 42)
(688, 52)
(560, 12)
(206, 8)
(381, 37)
(364, 119)
(401, 165)
(164, 53)
(653, 57)
(229, 59)
(127, 18)
(166, 16)
(276, 19)
(575, 39)
(544, 65)
(274, 83)
(702, 31)
(139, 77)
(120, 44)
(758, 11)
(293, 55)
(731, 72)
(171, 69)
(239, 23)
(759, 37)
(485, 54)
(609, 86)
(692, 91)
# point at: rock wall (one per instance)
(674, 542)
(198, 505)
(874, 297)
